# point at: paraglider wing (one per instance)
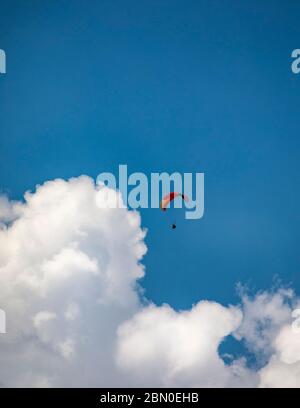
(170, 197)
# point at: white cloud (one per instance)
(9, 210)
(162, 347)
(267, 329)
(263, 317)
(283, 367)
(287, 345)
(277, 374)
(69, 269)
(68, 273)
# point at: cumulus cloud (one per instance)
(69, 272)
(8, 210)
(270, 332)
(263, 317)
(167, 348)
(68, 278)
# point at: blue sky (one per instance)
(166, 86)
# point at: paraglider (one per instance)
(168, 199)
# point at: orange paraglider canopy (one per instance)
(170, 197)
